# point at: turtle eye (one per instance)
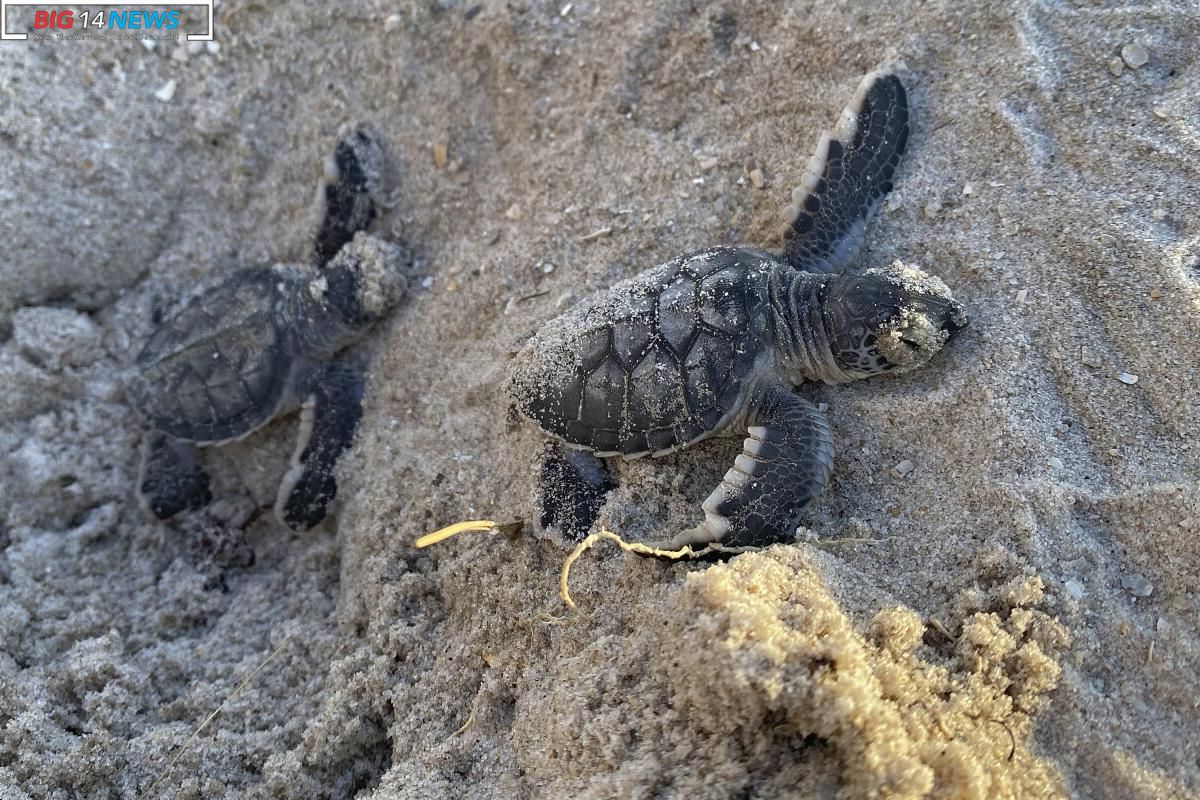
(888, 317)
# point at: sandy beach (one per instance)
(995, 597)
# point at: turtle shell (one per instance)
(655, 362)
(219, 368)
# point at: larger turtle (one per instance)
(713, 342)
(264, 342)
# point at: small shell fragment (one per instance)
(1137, 585)
(904, 467)
(1135, 55)
(167, 91)
(1127, 377)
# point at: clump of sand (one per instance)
(758, 656)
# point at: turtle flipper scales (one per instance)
(848, 176)
(328, 421)
(171, 478)
(786, 461)
(350, 194)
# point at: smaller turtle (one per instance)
(264, 342)
(713, 343)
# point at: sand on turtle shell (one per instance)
(1013, 613)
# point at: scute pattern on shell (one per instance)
(655, 362)
(218, 369)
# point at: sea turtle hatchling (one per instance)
(262, 343)
(713, 343)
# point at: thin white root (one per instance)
(184, 747)
(639, 548)
(466, 725)
(485, 525)
(629, 547)
(850, 540)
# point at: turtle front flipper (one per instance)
(171, 478)
(786, 461)
(848, 177)
(327, 424)
(350, 194)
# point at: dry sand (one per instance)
(1014, 616)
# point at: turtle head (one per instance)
(356, 289)
(890, 320)
(362, 283)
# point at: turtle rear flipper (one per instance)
(327, 424)
(848, 176)
(350, 195)
(171, 478)
(572, 486)
(786, 461)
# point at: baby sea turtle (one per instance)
(262, 343)
(713, 343)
